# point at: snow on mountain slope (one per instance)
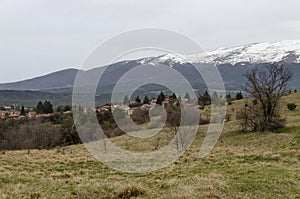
(288, 51)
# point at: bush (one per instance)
(291, 106)
(140, 116)
(38, 134)
(239, 96)
(29, 135)
(130, 192)
(251, 119)
(68, 132)
(255, 102)
(201, 107)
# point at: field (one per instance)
(251, 165)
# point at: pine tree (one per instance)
(137, 99)
(161, 97)
(67, 108)
(173, 96)
(173, 100)
(40, 108)
(146, 100)
(228, 97)
(47, 107)
(23, 111)
(204, 99)
(239, 96)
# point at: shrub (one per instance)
(201, 107)
(29, 135)
(140, 116)
(130, 192)
(251, 119)
(255, 102)
(291, 106)
(107, 124)
(68, 132)
(239, 96)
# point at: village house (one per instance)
(131, 110)
(32, 114)
(14, 114)
(153, 101)
(104, 108)
(44, 115)
(67, 113)
(2, 115)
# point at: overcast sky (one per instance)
(42, 36)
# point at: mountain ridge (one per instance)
(287, 51)
(59, 79)
(231, 62)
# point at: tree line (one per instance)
(266, 86)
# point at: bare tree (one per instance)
(173, 123)
(267, 85)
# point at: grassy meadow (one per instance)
(242, 165)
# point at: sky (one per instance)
(42, 36)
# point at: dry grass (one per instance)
(253, 165)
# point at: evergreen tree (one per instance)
(146, 100)
(40, 108)
(204, 99)
(161, 97)
(239, 96)
(173, 100)
(67, 108)
(23, 111)
(137, 99)
(173, 96)
(59, 109)
(47, 107)
(228, 97)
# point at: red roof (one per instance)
(14, 114)
(44, 115)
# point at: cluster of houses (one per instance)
(127, 109)
(14, 112)
(135, 106)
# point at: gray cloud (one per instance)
(38, 37)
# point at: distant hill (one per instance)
(30, 98)
(56, 80)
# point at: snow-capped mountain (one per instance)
(231, 62)
(288, 51)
